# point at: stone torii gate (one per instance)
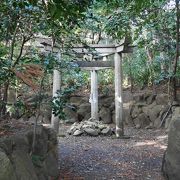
(94, 66)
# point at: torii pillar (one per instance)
(118, 95)
(94, 95)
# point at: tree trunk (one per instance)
(177, 51)
(4, 99)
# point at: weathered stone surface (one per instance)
(20, 143)
(74, 127)
(146, 110)
(150, 99)
(89, 127)
(175, 115)
(77, 132)
(91, 132)
(106, 101)
(71, 114)
(78, 100)
(32, 119)
(136, 111)
(106, 131)
(113, 117)
(105, 115)
(154, 112)
(24, 166)
(171, 164)
(6, 144)
(51, 164)
(102, 126)
(40, 118)
(162, 99)
(83, 110)
(6, 168)
(87, 116)
(141, 121)
(150, 126)
(41, 145)
(157, 122)
(20, 164)
(138, 97)
(138, 126)
(127, 113)
(112, 107)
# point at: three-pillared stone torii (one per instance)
(93, 66)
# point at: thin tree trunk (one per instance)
(177, 50)
(4, 99)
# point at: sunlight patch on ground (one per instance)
(151, 143)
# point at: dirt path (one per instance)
(105, 158)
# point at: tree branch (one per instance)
(21, 49)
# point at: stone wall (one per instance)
(140, 110)
(16, 162)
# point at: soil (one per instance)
(108, 158)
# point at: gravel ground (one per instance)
(107, 158)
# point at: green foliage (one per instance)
(59, 102)
(37, 160)
(140, 69)
(105, 80)
(20, 22)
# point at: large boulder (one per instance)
(175, 115)
(162, 99)
(18, 163)
(106, 101)
(154, 112)
(24, 165)
(136, 110)
(71, 114)
(171, 163)
(150, 98)
(83, 110)
(78, 100)
(127, 107)
(6, 168)
(141, 121)
(91, 131)
(105, 115)
(138, 97)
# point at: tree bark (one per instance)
(177, 51)
(4, 98)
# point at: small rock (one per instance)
(105, 115)
(91, 132)
(162, 99)
(77, 133)
(138, 126)
(150, 126)
(106, 131)
(101, 126)
(150, 99)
